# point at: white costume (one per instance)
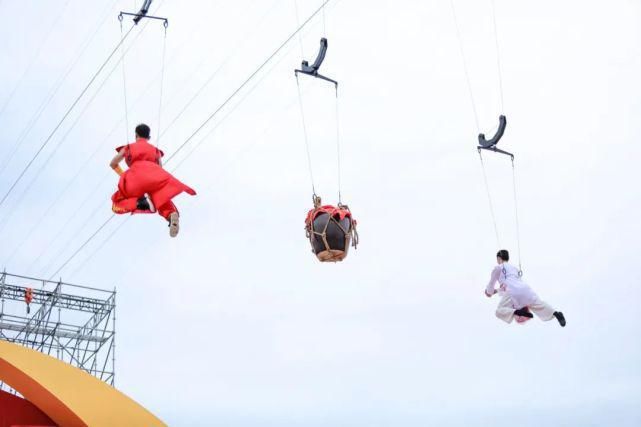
(515, 294)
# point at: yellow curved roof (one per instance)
(68, 395)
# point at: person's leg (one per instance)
(169, 211)
(545, 312)
(505, 309)
(122, 204)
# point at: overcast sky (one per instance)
(235, 323)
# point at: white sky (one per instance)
(235, 323)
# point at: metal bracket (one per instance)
(312, 70)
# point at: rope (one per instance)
(489, 199)
(305, 138)
(338, 149)
(64, 117)
(498, 55)
(516, 216)
(124, 81)
(162, 79)
(467, 74)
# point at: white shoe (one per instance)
(174, 226)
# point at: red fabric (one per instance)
(145, 175)
(328, 209)
(16, 411)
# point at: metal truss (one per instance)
(76, 324)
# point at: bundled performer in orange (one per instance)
(145, 187)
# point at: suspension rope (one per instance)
(338, 148)
(124, 80)
(305, 138)
(162, 79)
(498, 55)
(489, 199)
(465, 69)
(64, 117)
(516, 216)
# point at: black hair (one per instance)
(143, 131)
(503, 254)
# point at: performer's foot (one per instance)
(523, 312)
(560, 317)
(173, 224)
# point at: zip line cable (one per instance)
(209, 118)
(44, 144)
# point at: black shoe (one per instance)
(560, 317)
(523, 312)
(143, 204)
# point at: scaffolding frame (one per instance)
(86, 337)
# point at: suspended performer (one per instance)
(518, 300)
(145, 187)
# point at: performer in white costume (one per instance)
(516, 296)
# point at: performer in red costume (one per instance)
(145, 187)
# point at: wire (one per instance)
(498, 55)
(305, 138)
(44, 144)
(124, 79)
(338, 148)
(467, 74)
(516, 216)
(489, 199)
(82, 246)
(162, 79)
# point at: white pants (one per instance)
(505, 310)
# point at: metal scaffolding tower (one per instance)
(76, 324)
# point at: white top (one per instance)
(508, 277)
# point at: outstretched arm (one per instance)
(115, 162)
(489, 289)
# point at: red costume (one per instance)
(145, 175)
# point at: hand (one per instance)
(490, 295)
